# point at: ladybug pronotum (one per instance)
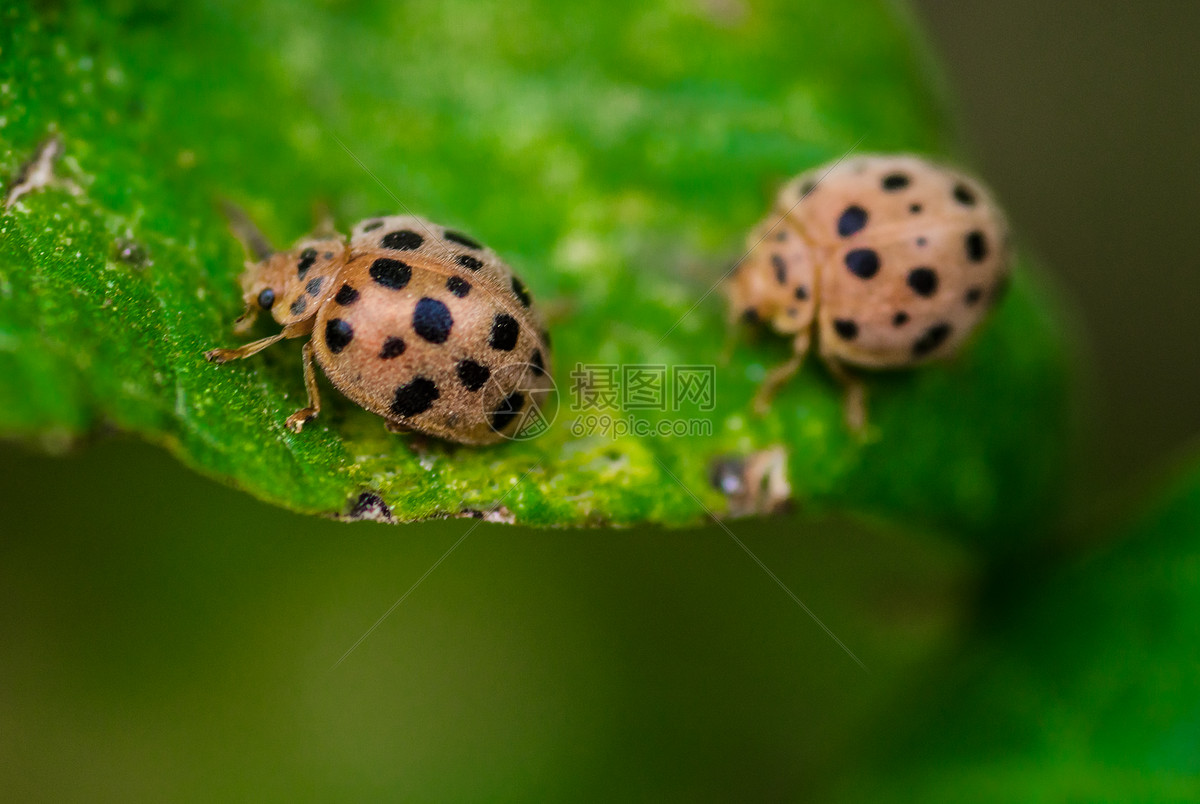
(887, 261)
(417, 323)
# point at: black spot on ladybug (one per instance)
(328, 255)
(751, 316)
(338, 334)
(538, 362)
(472, 375)
(781, 235)
(467, 261)
(977, 248)
(505, 330)
(314, 285)
(308, 258)
(931, 339)
(863, 262)
(780, 269)
(846, 329)
(391, 273)
(519, 289)
(392, 347)
(923, 281)
(346, 295)
(964, 196)
(900, 319)
(853, 219)
(915, 209)
(432, 321)
(414, 397)
(298, 306)
(507, 410)
(402, 240)
(922, 241)
(895, 181)
(266, 299)
(462, 240)
(801, 293)
(807, 188)
(372, 226)
(973, 295)
(458, 286)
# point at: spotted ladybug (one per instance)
(886, 261)
(412, 321)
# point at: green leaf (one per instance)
(1086, 690)
(614, 156)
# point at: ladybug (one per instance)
(412, 321)
(887, 261)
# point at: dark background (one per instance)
(168, 638)
(1084, 117)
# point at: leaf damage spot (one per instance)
(369, 507)
(131, 252)
(754, 484)
(499, 514)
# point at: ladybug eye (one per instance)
(266, 299)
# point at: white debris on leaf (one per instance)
(38, 173)
(754, 484)
(369, 507)
(499, 515)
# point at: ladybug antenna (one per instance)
(256, 245)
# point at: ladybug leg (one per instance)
(297, 420)
(418, 442)
(740, 321)
(254, 347)
(777, 377)
(244, 351)
(854, 400)
(246, 320)
(732, 331)
(738, 312)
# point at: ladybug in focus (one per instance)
(415, 322)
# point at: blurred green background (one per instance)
(1083, 115)
(168, 638)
